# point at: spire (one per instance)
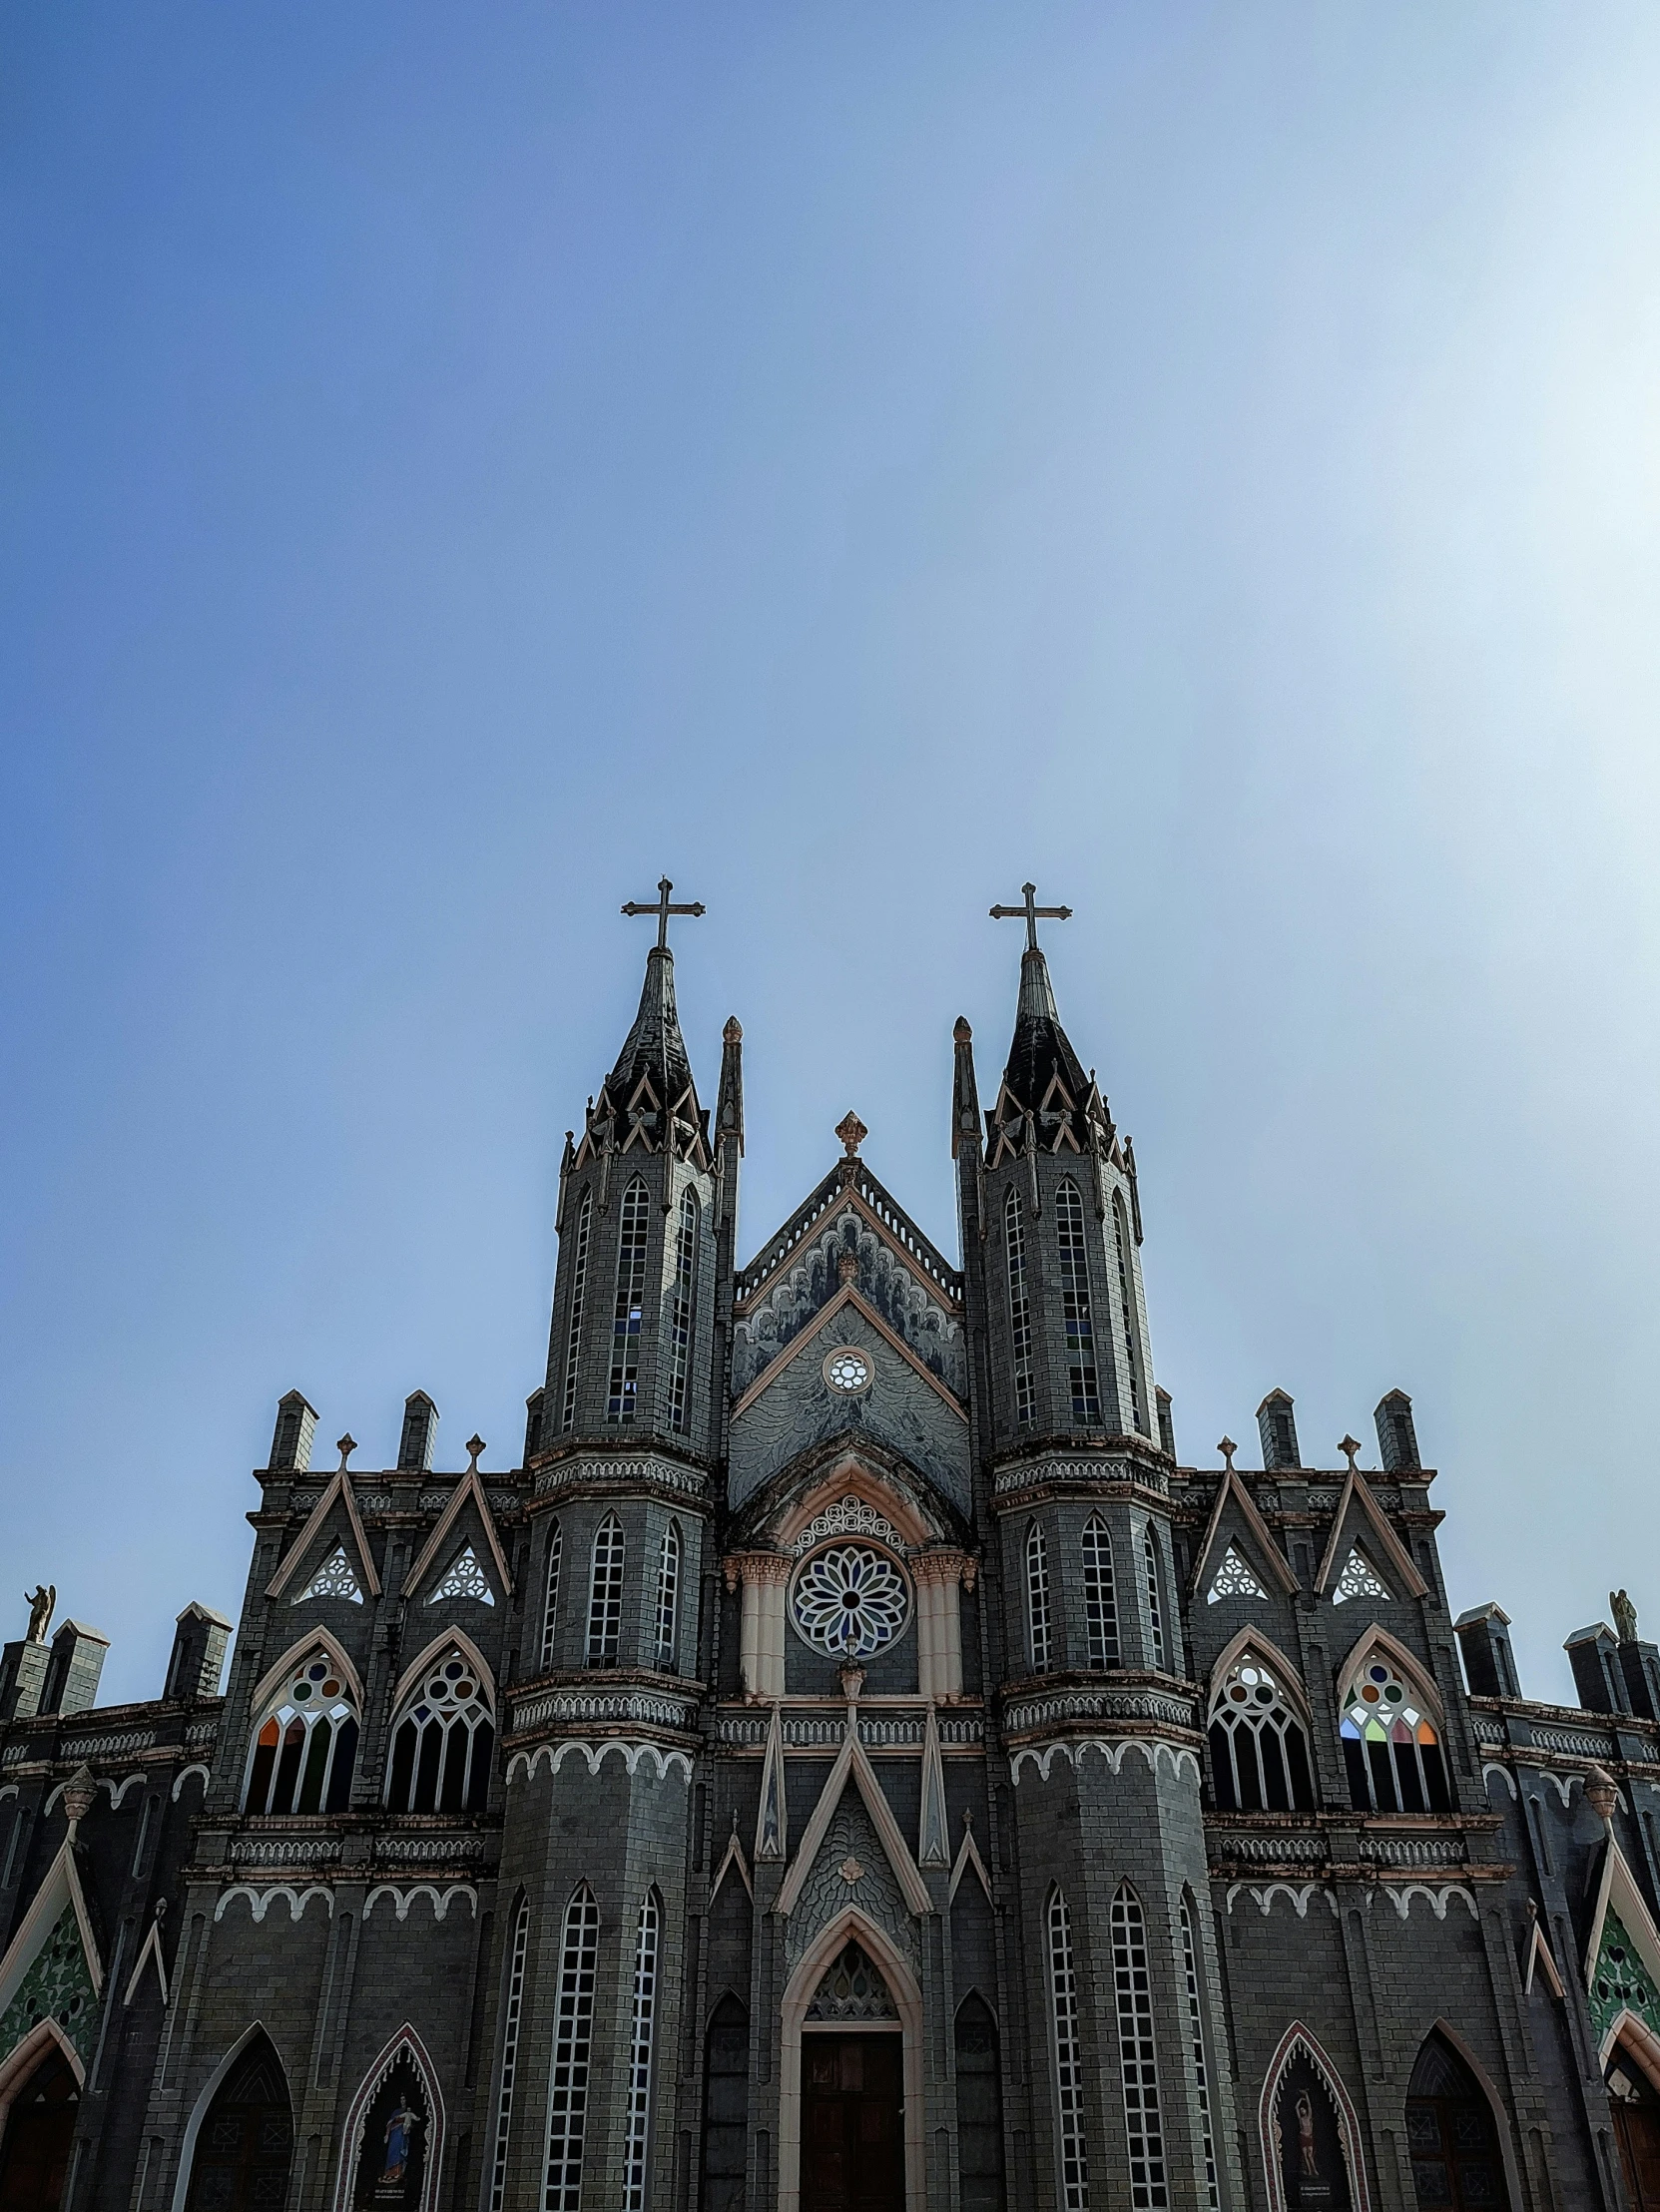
(729, 1100)
(648, 1098)
(1044, 1079)
(654, 1047)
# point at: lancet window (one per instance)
(572, 2036)
(1259, 1752)
(509, 2053)
(1390, 1745)
(1074, 1295)
(1138, 2059)
(622, 1405)
(1037, 1598)
(550, 1600)
(1020, 1311)
(1100, 1599)
(638, 2133)
(1155, 1611)
(682, 1300)
(605, 1594)
(305, 1743)
(1196, 2030)
(667, 1598)
(1126, 1294)
(1069, 2065)
(443, 1739)
(579, 1289)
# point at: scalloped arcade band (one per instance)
(848, 1764)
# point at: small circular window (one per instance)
(847, 1370)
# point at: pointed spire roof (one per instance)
(654, 1045)
(1040, 1049)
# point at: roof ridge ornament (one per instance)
(852, 1133)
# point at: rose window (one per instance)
(847, 1370)
(850, 1601)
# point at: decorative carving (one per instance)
(1233, 1579)
(850, 1601)
(465, 1578)
(1359, 1579)
(849, 1516)
(333, 1578)
(852, 1133)
(852, 1989)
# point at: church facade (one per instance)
(850, 1763)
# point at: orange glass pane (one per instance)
(268, 1735)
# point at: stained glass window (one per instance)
(1037, 1597)
(1020, 1310)
(1137, 2057)
(1391, 1745)
(1621, 1982)
(1233, 1579)
(1259, 1754)
(640, 2056)
(573, 2032)
(605, 1594)
(1074, 1298)
(464, 1578)
(1360, 1579)
(621, 1405)
(1100, 1599)
(333, 1578)
(442, 1741)
(1069, 2065)
(579, 1287)
(305, 1743)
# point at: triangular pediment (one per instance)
(333, 1524)
(52, 1969)
(1236, 1527)
(465, 1524)
(852, 1765)
(1361, 1521)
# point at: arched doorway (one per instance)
(39, 2126)
(852, 2091)
(1458, 2159)
(245, 2144)
(1636, 2108)
(726, 2108)
(980, 2107)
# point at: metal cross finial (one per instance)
(660, 907)
(1031, 910)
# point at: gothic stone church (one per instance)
(849, 1764)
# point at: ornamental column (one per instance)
(763, 1575)
(940, 1573)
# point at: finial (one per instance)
(962, 1035)
(475, 1451)
(852, 1133)
(1031, 912)
(79, 1792)
(1228, 1447)
(1348, 1448)
(732, 1033)
(852, 1681)
(1602, 1795)
(345, 1446)
(660, 907)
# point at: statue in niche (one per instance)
(41, 1602)
(1625, 1616)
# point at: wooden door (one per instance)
(853, 2139)
(245, 2140)
(39, 2126)
(1637, 2130)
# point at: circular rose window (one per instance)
(850, 1601)
(847, 1370)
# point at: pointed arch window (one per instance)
(1069, 2062)
(1126, 1295)
(572, 2038)
(1100, 1598)
(1155, 1611)
(1391, 1745)
(550, 1601)
(605, 1594)
(1138, 2059)
(1457, 2159)
(579, 1291)
(622, 1405)
(1020, 1310)
(1075, 1312)
(305, 1743)
(443, 1740)
(667, 1599)
(639, 2055)
(1037, 1598)
(1196, 2029)
(245, 2144)
(1259, 1752)
(509, 2053)
(682, 1306)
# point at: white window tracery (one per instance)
(1037, 1598)
(1360, 1579)
(850, 1516)
(573, 2033)
(1390, 1743)
(851, 1600)
(605, 1594)
(464, 1578)
(639, 2055)
(1233, 1579)
(333, 1578)
(305, 1742)
(1069, 2071)
(443, 1740)
(1259, 1752)
(1138, 2058)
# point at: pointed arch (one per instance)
(1413, 1668)
(606, 1562)
(1134, 1358)
(1083, 1379)
(19, 2062)
(1357, 1492)
(1253, 1640)
(433, 1650)
(1072, 2142)
(669, 1556)
(573, 1327)
(443, 1731)
(1300, 2040)
(1232, 1492)
(648, 1939)
(513, 2012)
(1038, 1629)
(407, 2040)
(885, 1492)
(317, 1639)
(255, 2033)
(1020, 1310)
(1188, 1915)
(1497, 2111)
(850, 1925)
(469, 1486)
(1393, 1729)
(1100, 1595)
(573, 2033)
(306, 1720)
(628, 1312)
(976, 2053)
(1137, 2048)
(554, 1558)
(681, 1305)
(726, 2099)
(339, 1486)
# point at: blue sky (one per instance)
(459, 465)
